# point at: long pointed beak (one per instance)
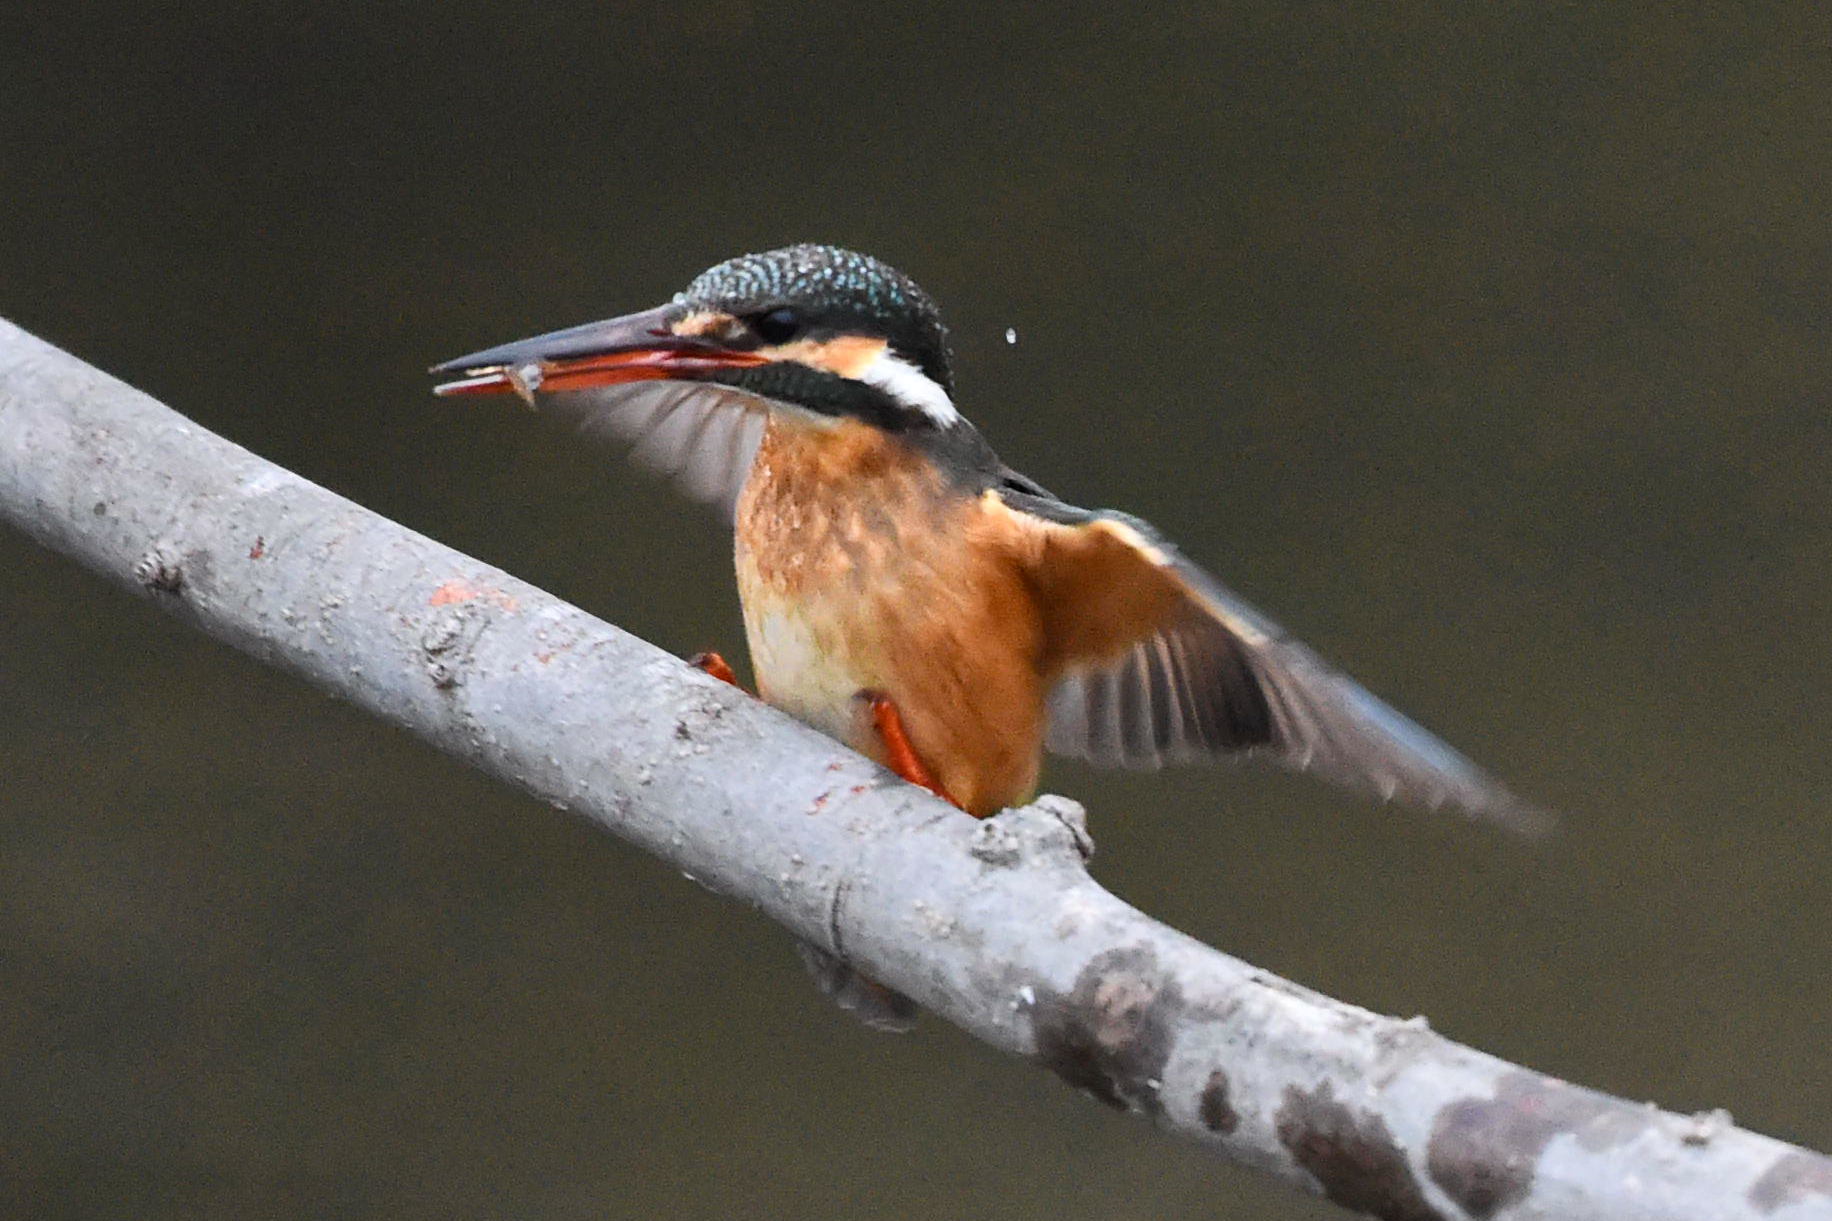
(636, 347)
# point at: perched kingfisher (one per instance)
(909, 594)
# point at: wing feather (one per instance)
(701, 435)
(1202, 675)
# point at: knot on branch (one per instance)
(161, 570)
(446, 643)
(464, 608)
(1050, 828)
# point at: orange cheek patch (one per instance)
(708, 324)
(846, 355)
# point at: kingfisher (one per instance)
(906, 592)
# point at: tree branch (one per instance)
(995, 926)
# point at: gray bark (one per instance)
(995, 926)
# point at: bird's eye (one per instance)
(777, 326)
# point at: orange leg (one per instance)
(900, 756)
(716, 666)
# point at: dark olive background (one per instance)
(1487, 346)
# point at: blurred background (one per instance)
(1488, 347)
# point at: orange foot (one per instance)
(900, 756)
(716, 666)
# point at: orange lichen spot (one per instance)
(453, 591)
(459, 590)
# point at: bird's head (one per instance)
(826, 331)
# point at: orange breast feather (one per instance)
(861, 569)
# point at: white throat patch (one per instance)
(910, 386)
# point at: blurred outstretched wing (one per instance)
(1159, 662)
(700, 435)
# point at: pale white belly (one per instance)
(804, 667)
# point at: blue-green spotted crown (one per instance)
(839, 291)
